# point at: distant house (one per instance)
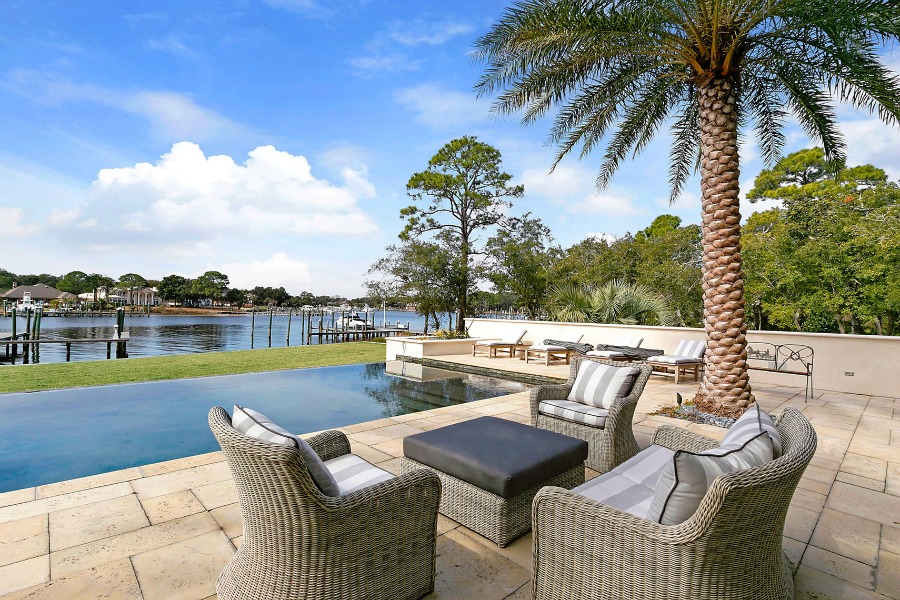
(38, 293)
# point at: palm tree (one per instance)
(619, 70)
(613, 302)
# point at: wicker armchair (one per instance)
(730, 549)
(376, 542)
(607, 447)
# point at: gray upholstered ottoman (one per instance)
(490, 469)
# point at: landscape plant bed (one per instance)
(697, 411)
(29, 378)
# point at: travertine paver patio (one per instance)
(165, 530)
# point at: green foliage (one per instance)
(664, 257)
(612, 302)
(828, 260)
(174, 288)
(463, 191)
(269, 296)
(617, 71)
(211, 285)
(74, 282)
(447, 334)
(519, 261)
(427, 274)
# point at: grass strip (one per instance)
(35, 377)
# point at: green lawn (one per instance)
(26, 378)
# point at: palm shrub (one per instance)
(613, 302)
(619, 70)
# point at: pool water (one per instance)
(63, 434)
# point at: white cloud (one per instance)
(187, 195)
(384, 54)
(870, 141)
(440, 108)
(564, 181)
(14, 225)
(298, 6)
(383, 61)
(277, 271)
(428, 31)
(574, 187)
(171, 115)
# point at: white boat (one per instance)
(353, 322)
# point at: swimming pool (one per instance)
(63, 434)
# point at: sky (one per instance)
(272, 140)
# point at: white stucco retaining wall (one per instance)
(874, 361)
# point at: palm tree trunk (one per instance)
(725, 378)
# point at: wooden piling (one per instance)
(287, 341)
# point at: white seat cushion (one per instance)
(630, 487)
(256, 425)
(685, 480)
(609, 354)
(575, 412)
(546, 348)
(668, 359)
(353, 473)
(600, 385)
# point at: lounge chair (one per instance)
(688, 356)
(510, 343)
(586, 412)
(372, 541)
(728, 547)
(624, 342)
(550, 351)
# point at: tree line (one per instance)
(826, 260)
(209, 289)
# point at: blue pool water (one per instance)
(63, 434)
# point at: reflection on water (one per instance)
(53, 435)
(159, 335)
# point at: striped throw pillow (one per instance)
(256, 425)
(600, 385)
(683, 483)
(354, 473)
(749, 424)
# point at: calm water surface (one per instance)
(63, 434)
(158, 335)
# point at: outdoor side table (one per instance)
(490, 470)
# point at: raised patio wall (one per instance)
(856, 364)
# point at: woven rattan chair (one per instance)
(376, 542)
(729, 549)
(608, 446)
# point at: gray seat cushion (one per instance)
(575, 412)
(630, 487)
(500, 456)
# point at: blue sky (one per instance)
(272, 139)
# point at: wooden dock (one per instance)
(12, 346)
(336, 334)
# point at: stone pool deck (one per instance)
(166, 530)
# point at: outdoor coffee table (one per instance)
(490, 470)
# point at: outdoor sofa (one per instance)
(684, 518)
(371, 537)
(604, 418)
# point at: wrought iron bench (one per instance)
(791, 359)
